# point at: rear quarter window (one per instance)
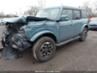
(76, 14)
(84, 14)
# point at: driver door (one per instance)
(65, 25)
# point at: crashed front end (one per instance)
(17, 36)
(14, 40)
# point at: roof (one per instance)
(65, 7)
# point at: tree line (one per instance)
(34, 9)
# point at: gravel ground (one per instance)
(79, 56)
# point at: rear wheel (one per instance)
(84, 34)
(44, 49)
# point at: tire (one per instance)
(84, 34)
(44, 49)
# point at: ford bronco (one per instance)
(51, 27)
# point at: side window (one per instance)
(76, 14)
(66, 14)
(84, 14)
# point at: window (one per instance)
(76, 14)
(84, 14)
(50, 13)
(67, 13)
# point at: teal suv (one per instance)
(51, 27)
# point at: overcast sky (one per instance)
(13, 6)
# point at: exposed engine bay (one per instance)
(14, 40)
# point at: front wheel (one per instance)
(84, 34)
(44, 49)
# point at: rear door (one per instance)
(77, 22)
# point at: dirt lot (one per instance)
(73, 56)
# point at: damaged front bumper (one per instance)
(17, 41)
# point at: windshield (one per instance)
(51, 13)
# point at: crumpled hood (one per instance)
(21, 20)
(12, 20)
